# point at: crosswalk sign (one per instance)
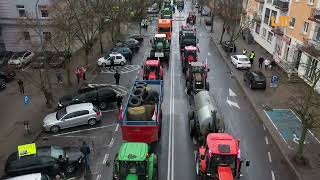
(27, 150)
(26, 99)
(274, 81)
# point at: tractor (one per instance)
(135, 162)
(160, 47)
(186, 28)
(152, 70)
(189, 55)
(196, 77)
(219, 158)
(191, 18)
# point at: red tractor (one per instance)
(220, 158)
(152, 70)
(189, 55)
(191, 18)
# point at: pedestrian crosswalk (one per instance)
(120, 69)
(118, 89)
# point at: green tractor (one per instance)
(167, 10)
(133, 162)
(160, 47)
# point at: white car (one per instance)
(20, 59)
(119, 59)
(241, 61)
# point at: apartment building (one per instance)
(18, 30)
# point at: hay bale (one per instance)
(149, 111)
(136, 113)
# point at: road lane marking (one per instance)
(266, 138)
(231, 103)
(111, 142)
(105, 159)
(272, 175)
(117, 128)
(269, 156)
(264, 128)
(98, 177)
(232, 93)
(209, 54)
(90, 129)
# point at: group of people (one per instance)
(145, 23)
(262, 62)
(81, 74)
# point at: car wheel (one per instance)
(54, 129)
(70, 168)
(104, 64)
(103, 105)
(121, 63)
(92, 122)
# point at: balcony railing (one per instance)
(278, 30)
(315, 15)
(260, 1)
(281, 4)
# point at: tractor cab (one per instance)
(220, 158)
(160, 47)
(196, 77)
(152, 70)
(189, 55)
(191, 18)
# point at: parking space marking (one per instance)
(105, 159)
(117, 128)
(269, 156)
(121, 69)
(90, 129)
(264, 128)
(111, 142)
(98, 177)
(266, 138)
(272, 175)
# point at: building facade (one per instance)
(16, 34)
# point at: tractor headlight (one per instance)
(198, 82)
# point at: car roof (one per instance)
(34, 176)
(115, 54)
(241, 56)
(257, 73)
(160, 35)
(191, 48)
(78, 107)
(222, 143)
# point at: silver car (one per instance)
(70, 116)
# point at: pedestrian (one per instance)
(81, 72)
(266, 63)
(119, 101)
(130, 58)
(244, 51)
(251, 58)
(112, 62)
(261, 62)
(62, 163)
(59, 77)
(21, 86)
(117, 77)
(78, 75)
(85, 149)
(84, 72)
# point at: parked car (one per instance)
(240, 61)
(119, 59)
(5, 57)
(126, 52)
(100, 97)
(255, 79)
(20, 59)
(57, 60)
(34, 176)
(45, 161)
(7, 74)
(3, 84)
(71, 116)
(40, 59)
(137, 37)
(130, 43)
(229, 46)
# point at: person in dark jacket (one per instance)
(117, 77)
(21, 86)
(119, 101)
(261, 60)
(112, 62)
(85, 149)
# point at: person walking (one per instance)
(62, 166)
(117, 77)
(251, 58)
(59, 77)
(266, 64)
(78, 75)
(112, 62)
(21, 86)
(81, 73)
(261, 62)
(119, 101)
(84, 73)
(244, 51)
(85, 149)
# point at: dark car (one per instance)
(125, 51)
(255, 79)
(130, 43)
(7, 74)
(57, 60)
(40, 59)
(137, 37)
(229, 46)
(100, 97)
(45, 161)
(3, 84)
(5, 57)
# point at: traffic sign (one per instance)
(274, 81)
(26, 99)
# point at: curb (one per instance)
(265, 121)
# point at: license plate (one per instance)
(159, 54)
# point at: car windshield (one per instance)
(108, 56)
(258, 77)
(164, 29)
(52, 151)
(61, 113)
(243, 59)
(18, 55)
(197, 69)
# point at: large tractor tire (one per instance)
(141, 84)
(134, 101)
(138, 92)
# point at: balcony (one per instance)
(315, 15)
(278, 30)
(281, 4)
(310, 47)
(260, 1)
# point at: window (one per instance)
(266, 16)
(26, 36)
(273, 14)
(47, 36)
(305, 27)
(257, 28)
(119, 57)
(292, 21)
(316, 36)
(270, 36)
(21, 11)
(264, 32)
(71, 115)
(44, 12)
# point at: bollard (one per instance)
(26, 126)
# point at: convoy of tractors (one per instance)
(218, 153)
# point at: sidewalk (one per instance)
(276, 98)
